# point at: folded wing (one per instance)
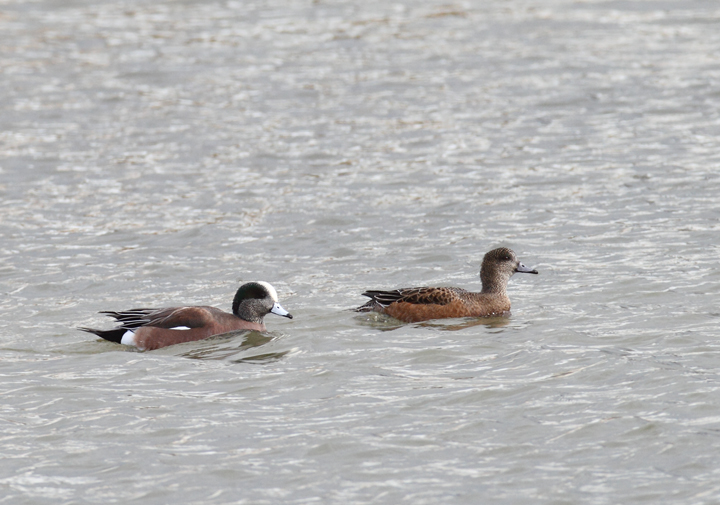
(419, 296)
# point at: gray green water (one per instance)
(156, 153)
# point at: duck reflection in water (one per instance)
(224, 347)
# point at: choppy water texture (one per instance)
(158, 153)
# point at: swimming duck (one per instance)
(150, 329)
(421, 304)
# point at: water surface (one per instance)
(162, 153)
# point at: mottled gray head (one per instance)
(498, 266)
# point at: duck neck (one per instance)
(493, 285)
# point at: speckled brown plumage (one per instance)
(421, 304)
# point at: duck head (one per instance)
(254, 300)
(497, 267)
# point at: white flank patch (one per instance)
(180, 328)
(271, 290)
(128, 338)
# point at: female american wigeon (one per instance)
(420, 304)
(150, 329)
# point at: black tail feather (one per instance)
(382, 298)
(114, 335)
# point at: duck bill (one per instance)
(525, 270)
(277, 309)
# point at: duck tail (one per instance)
(368, 307)
(114, 335)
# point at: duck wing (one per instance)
(168, 317)
(419, 296)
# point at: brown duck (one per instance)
(420, 304)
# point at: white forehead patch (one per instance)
(271, 290)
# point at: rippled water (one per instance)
(161, 153)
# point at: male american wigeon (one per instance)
(420, 304)
(150, 329)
